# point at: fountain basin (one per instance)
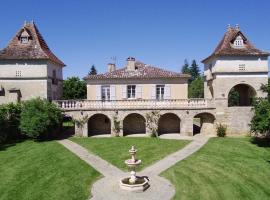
(140, 185)
(132, 163)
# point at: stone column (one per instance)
(186, 127)
(121, 133)
(81, 131)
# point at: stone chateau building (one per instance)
(127, 95)
(28, 68)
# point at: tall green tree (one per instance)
(260, 123)
(74, 88)
(233, 98)
(185, 68)
(93, 70)
(40, 118)
(195, 88)
(194, 70)
(266, 88)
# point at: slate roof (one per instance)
(142, 71)
(35, 49)
(226, 48)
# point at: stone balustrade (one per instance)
(132, 104)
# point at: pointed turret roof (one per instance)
(34, 49)
(226, 46)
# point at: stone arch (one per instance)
(134, 123)
(204, 123)
(169, 123)
(241, 95)
(99, 124)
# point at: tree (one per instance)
(92, 71)
(74, 88)
(185, 68)
(260, 123)
(233, 98)
(194, 70)
(266, 88)
(40, 118)
(196, 88)
(9, 121)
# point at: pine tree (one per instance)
(185, 67)
(93, 70)
(194, 70)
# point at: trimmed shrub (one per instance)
(221, 130)
(9, 121)
(40, 119)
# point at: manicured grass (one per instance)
(225, 168)
(115, 150)
(46, 170)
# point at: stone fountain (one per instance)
(134, 183)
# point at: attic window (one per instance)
(238, 42)
(24, 40)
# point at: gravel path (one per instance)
(108, 186)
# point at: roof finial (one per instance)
(228, 27)
(237, 27)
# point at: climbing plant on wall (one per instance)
(152, 122)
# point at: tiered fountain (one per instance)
(134, 183)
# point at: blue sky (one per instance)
(157, 32)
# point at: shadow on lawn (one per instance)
(261, 141)
(64, 134)
(11, 143)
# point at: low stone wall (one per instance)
(238, 120)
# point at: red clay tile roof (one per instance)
(142, 71)
(36, 48)
(225, 46)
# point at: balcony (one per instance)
(132, 104)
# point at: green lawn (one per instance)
(229, 168)
(31, 170)
(115, 150)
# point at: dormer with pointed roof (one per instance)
(28, 44)
(235, 43)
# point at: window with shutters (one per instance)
(131, 91)
(160, 92)
(105, 93)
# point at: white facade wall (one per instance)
(33, 78)
(145, 89)
(27, 69)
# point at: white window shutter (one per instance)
(153, 92)
(167, 92)
(112, 91)
(138, 91)
(124, 91)
(98, 92)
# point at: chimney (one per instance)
(111, 67)
(237, 27)
(131, 64)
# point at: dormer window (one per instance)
(24, 40)
(24, 37)
(238, 42)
